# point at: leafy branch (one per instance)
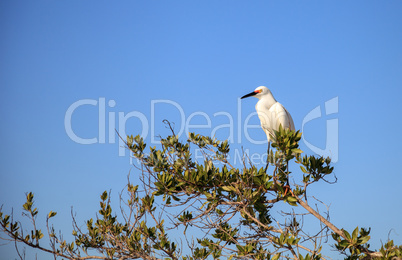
(222, 211)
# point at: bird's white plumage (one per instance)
(271, 113)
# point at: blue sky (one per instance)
(202, 56)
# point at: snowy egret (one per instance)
(271, 113)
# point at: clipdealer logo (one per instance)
(109, 121)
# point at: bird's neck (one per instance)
(268, 100)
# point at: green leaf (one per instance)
(38, 234)
(51, 214)
(344, 243)
(228, 188)
(355, 233)
(346, 234)
(104, 196)
(364, 240)
(276, 256)
(297, 150)
(291, 200)
(175, 198)
(335, 236)
(268, 184)
(303, 169)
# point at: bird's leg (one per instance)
(287, 186)
(266, 167)
(287, 189)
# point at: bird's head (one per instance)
(258, 92)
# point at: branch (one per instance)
(372, 254)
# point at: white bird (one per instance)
(271, 113)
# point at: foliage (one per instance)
(230, 210)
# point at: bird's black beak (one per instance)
(249, 95)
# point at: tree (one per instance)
(223, 212)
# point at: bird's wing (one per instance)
(273, 117)
(280, 116)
